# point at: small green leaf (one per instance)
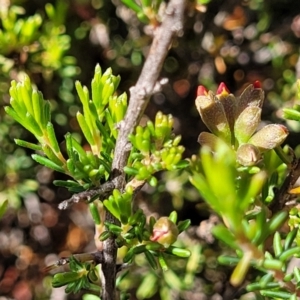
(297, 274)
(47, 162)
(61, 279)
(267, 279)
(257, 286)
(148, 286)
(178, 252)
(112, 207)
(272, 264)
(28, 145)
(46, 114)
(151, 259)
(21, 120)
(289, 253)
(291, 114)
(18, 107)
(277, 244)
(173, 216)
(52, 137)
(25, 95)
(85, 128)
(290, 238)
(105, 235)
(182, 164)
(240, 271)
(55, 157)
(37, 107)
(95, 213)
(276, 294)
(35, 128)
(66, 183)
(183, 225)
(277, 221)
(3, 207)
(223, 234)
(162, 262)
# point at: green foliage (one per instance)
(37, 44)
(240, 198)
(239, 176)
(153, 145)
(146, 11)
(154, 239)
(81, 276)
(155, 148)
(41, 41)
(3, 207)
(100, 115)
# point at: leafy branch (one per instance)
(111, 159)
(140, 94)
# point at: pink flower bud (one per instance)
(222, 89)
(257, 84)
(165, 232)
(201, 91)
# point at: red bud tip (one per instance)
(222, 89)
(201, 91)
(284, 129)
(257, 84)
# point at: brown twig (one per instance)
(86, 196)
(282, 196)
(62, 265)
(146, 85)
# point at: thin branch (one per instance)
(146, 85)
(62, 265)
(87, 196)
(282, 196)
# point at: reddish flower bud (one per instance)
(201, 91)
(165, 232)
(257, 84)
(222, 89)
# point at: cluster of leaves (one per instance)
(82, 275)
(45, 42)
(146, 11)
(155, 148)
(154, 240)
(251, 212)
(98, 123)
(277, 281)
(38, 45)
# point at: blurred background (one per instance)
(237, 42)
